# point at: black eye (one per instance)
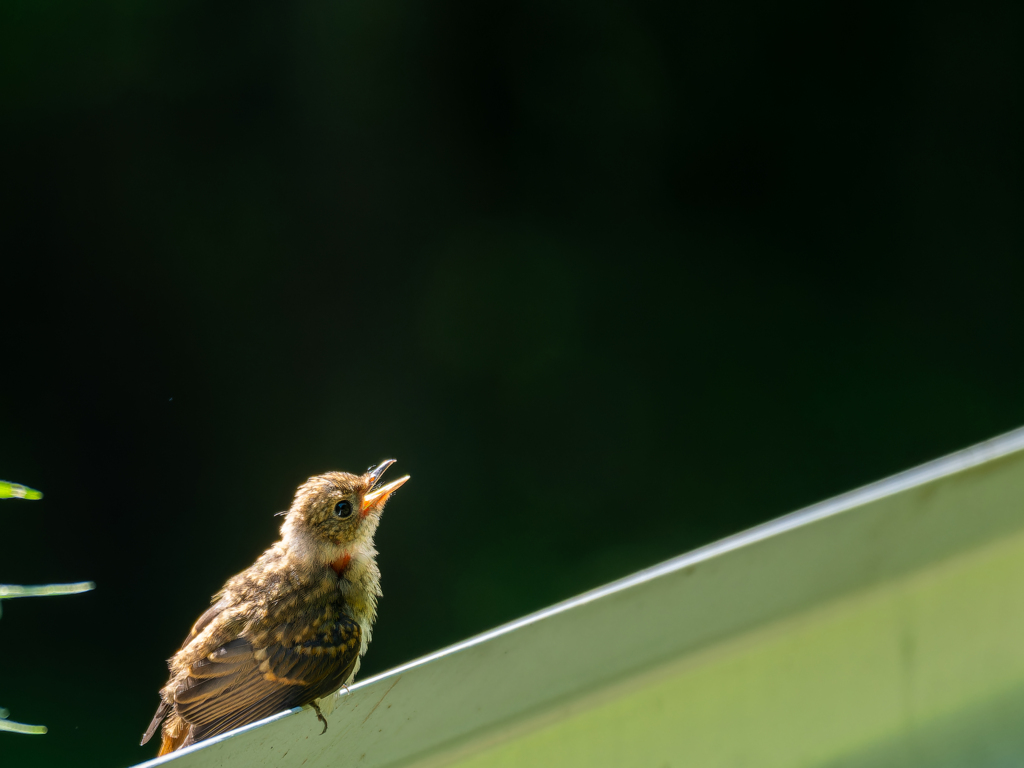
(343, 509)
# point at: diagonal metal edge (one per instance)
(997, 447)
(218, 738)
(959, 461)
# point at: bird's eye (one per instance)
(343, 509)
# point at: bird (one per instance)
(290, 629)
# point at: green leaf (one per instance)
(17, 491)
(8, 725)
(13, 590)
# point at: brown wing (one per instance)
(239, 684)
(201, 623)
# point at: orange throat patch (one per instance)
(339, 565)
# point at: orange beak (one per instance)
(376, 497)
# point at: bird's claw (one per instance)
(320, 717)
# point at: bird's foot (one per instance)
(319, 716)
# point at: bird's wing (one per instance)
(161, 713)
(201, 623)
(239, 684)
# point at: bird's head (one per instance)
(335, 515)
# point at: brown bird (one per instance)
(291, 628)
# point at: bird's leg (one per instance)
(319, 716)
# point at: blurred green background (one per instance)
(610, 280)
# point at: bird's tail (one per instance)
(175, 733)
(169, 744)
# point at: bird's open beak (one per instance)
(376, 497)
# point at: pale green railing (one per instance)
(884, 627)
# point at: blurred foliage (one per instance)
(7, 591)
(16, 491)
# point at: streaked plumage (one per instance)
(291, 628)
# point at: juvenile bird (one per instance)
(292, 627)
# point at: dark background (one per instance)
(611, 280)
